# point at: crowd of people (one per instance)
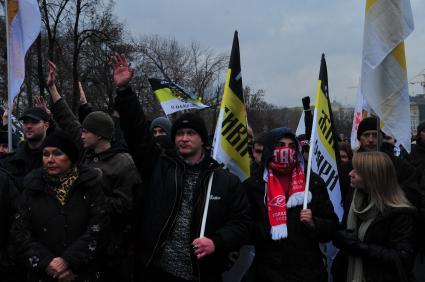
(115, 197)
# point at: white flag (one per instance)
(383, 81)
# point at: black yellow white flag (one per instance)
(173, 97)
(230, 139)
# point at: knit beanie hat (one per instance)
(369, 123)
(162, 122)
(191, 121)
(99, 123)
(63, 141)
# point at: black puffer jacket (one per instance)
(388, 250)
(298, 256)
(44, 229)
(228, 215)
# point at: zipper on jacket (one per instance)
(168, 219)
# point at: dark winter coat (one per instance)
(21, 162)
(120, 178)
(298, 257)
(387, 252)
(44, 229)
(228, 215)
(9, 199)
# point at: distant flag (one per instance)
(383, 81)
(301, 125)
(230, 139)
(323, 154)
(173, 97)
(361, 111)
(23, 25)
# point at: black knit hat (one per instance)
(421, 127)
(369, 123)
(99, 123)
(63, 141)
(192, 121)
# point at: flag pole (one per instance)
(310, 158)
(9, 95)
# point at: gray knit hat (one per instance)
(99, 123)
(162, 122)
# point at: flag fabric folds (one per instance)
(23, 24)
(361, 111)
(383, 82)
(173, 97)
(230, 145)
(323, 143)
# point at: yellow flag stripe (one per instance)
(164, 94)
(323, 120)
(233, 132)
(369, 4)
(399, 54)
(12, 10)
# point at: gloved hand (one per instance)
(347, 241)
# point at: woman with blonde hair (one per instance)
(378, 241)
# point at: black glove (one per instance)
(306, 103)
(347, 241)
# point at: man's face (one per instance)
(90, 140)
(257, 152)
(158, 131)
(3, 149)
(188, 142)
(285, 141)
(34, 130)
(369, 140)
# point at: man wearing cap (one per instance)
(28, 156)
(170, 246)
(120, 178)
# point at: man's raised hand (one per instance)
(122, 73)
(51, 77)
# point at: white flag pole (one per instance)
(310, 157)
(9, 94)
(207, 203)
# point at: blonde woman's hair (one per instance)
(380, 180)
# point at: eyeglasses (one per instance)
(55, 153)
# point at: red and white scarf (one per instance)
(285, 189)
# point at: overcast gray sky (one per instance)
(280, 41)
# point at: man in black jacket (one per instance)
(28, 156)
(169, 245)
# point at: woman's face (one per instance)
(55, 161)
(344, 156)
(356, 181)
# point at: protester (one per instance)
(4, 143)
(161, 132)
(60, 227)
(8, 207)
(377, 243)
(345, 152)
(28, 156)
(169, 246)
(120, 178)
(287, 237)
(417, 156)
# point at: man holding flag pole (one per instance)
(182, 232)
(292, 213)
